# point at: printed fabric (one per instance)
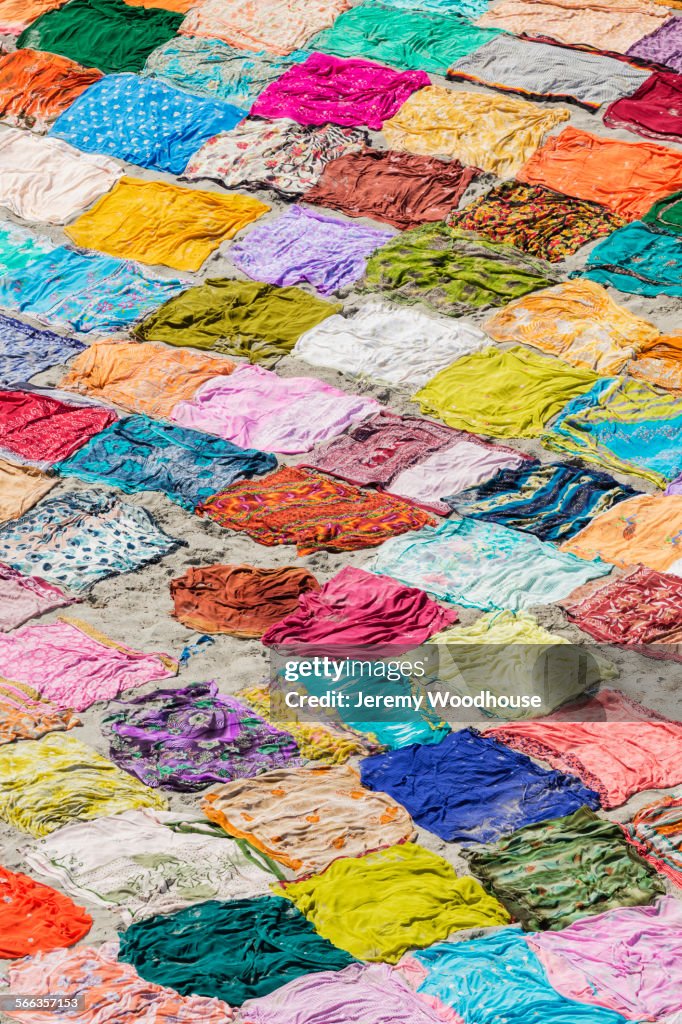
(405, 897)
(298, 506)
(21, 487)
(281, 946)
(351, 92)
(155, 222)
(20, 248)
(617, 747)
(255, 407)
(191, 737)
(307, 817)
(55, 920)
(637, 260)
(496, 133)
(35, 88)
(652, 110)
(24, 715)
(484, 565)
(471, 789)
(26, 350)
(259, 322)
(38, 428)
(452, 271)
(26, 597)
(284, 27)
(656, 833)
(662, 46)
(502, 393)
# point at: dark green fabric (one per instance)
(666, 215)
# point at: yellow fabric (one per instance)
(646, 529)
(379, 906)
(20, 488)
(496, 133)
(154, 222)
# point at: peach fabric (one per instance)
(279, 26)
(20, 488)
(15, 15)
(181, 6)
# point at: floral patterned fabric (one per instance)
(281, 28)
(26, 350)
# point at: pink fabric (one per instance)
(22, 597)
(256, 408)
(356, 609)
(73, 668)
(333, 90)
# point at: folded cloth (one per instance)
(35, 87)
(21, 487)
(283, 28)
(26, 350)
(38, 428)
(25, 597)
(24, 715)
(653, 110)
(35, 918)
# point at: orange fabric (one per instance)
(35, 87)
(15, 15)
(35, 918)
(660, 362)
(626, 177)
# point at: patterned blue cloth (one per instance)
(469, 8)
(140, 454)
(637, 260)
(143, 121)
(473, 789)
(26, 350)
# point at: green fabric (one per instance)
(417, 40)
(105, 34)
(453, 271)
(260, 322)
(233, 950)
(551, 874)
(666, 214)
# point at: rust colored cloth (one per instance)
(36, 87)
(298, 506)
(654, 110)
(402, 189)
(626, 177)
(240, 600)
(42, 429)
(35, 918)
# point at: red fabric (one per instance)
(35, 918)
(654, 110)
(43, 429)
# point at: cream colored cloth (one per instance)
(20, 488)
(279, 26)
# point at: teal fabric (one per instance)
(638, 261)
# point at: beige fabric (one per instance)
(20, 488)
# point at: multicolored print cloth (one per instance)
(26, 350)
(24, 715)
(283, 28)
(656, 833)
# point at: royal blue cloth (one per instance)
(26, 351)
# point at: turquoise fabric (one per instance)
(637, 260)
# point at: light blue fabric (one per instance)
(469, 8)
(19, 248)
(27, 350)
(637, 260)
(143, 121)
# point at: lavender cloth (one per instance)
(303, 245)
(664, 46)
(675, 486)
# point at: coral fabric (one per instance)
(285, 25)
(55, 920)
(43, 429)
(652, 111)
(24, 597)
(36, 87)
(20, 488)
(17, 14)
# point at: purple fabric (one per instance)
(303, 245)
(664, 46)
(675, 486)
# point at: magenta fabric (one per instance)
(333, 90)
(654, 110)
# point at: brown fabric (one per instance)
(238, 599)
(399, 188)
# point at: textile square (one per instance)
(286, 25)
(26, 350)
(38, 428)
(35, 88)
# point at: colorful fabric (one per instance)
(423, 41)
(625, 177)
(652, 110)
(107, 987)
(398, 346)
(380, 905)
(255, 407)
(35, 88)
(656, 833)
(666, 214)
(303, 245)
(469, 789)
(397, 188)
(552, 500)
(624, 425)
(240, 600)
(20, 488)
(279, 155)
(646, 529)
(298, 506)
(149, 378)
(73, 665)
(452, 271)
(188, 738)
(285, 27)
(20, 248)
(637, 260)
(617, 747)
(17, 14)
(307, 817)
(26, 597)
(470, 8)
(497, 975)
(106, 34)
(556, 872)
(146, 862)
(24, 715)
(496, 133)
(281, 946)
(55, 921)
(155, 222)
(483, 565)
(357, 609)
(209, 67)
(577, 321)
(662, 46)
(143, 121)
(350, 92)
(538, 70)
(39, 428)
(502, 393)
(81, 538)
(536, 220)
(48, 783)
(26, 350)
(259, 322)
(592, 960)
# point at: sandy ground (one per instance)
(135, 608)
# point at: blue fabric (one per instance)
(499, 978)
(26, 350)
(469, 8)
(473, 789)
(143, 121)
(637, 260)
(140, 454)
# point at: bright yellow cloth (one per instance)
(20, 488)
(154, 222)
(379, 906)
(496, 133)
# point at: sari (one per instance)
(21, 487)
(656, 833)
(35, 918)
(36, 87)
(652, 110)
(26, 597)
(638, 261)
(286, 26)
(24, 715)
(26, 350)
(39, 428)
(663, 45)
